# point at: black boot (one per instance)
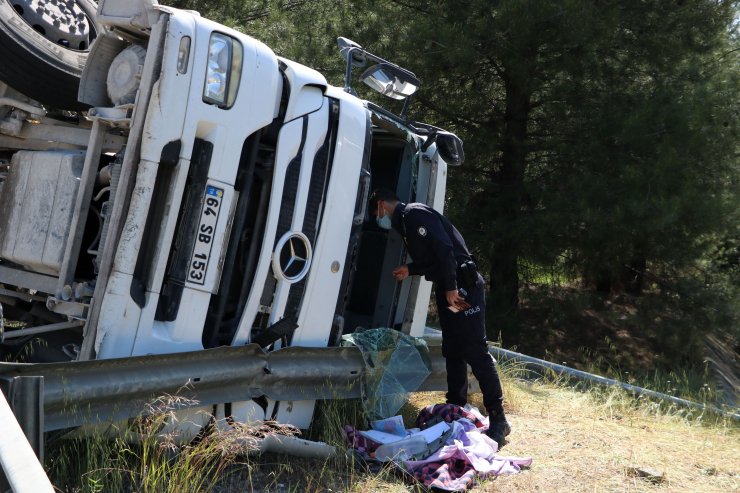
(498, 427)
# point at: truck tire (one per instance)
(44, 46)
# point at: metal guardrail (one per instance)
(535, 364)
(82, 392)
(77, 393)
(535, 367)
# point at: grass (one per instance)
(580, 441)
(155, 453)
(694, 382)
(588, 439)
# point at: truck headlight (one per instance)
(224, 70)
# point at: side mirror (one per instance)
(391, 80)
(450, 148)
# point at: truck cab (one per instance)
(211, 194)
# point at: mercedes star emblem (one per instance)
(292, 257)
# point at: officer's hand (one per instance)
(453, 297)
(401, 272)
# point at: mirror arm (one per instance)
(431, 139)
(348, 73)
(405, 109)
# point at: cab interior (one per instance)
(375, 298)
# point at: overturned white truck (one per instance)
(203, 191)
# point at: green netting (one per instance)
(395, 365)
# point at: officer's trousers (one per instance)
(463, 344)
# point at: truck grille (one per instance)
(185, 232)
(320, 173)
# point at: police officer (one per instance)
(439, 254)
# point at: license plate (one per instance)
(204, 236)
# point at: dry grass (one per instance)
(579, 440)
(583, 443)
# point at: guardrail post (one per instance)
(25, 398)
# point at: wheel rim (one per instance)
(63, 22)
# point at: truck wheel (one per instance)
(44, 45)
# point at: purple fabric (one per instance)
(467, 456)
(358, 442)
(448, 413)
(456, 467)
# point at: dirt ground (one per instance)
(581, 445)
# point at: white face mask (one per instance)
(383, 222)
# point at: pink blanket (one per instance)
(467, 456)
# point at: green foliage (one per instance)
(86, 465)
(330, 416)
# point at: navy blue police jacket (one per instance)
(435, 245)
